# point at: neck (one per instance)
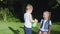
(27, 12)
(45, 19)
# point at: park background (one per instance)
(12, 11)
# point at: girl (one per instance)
(45, 23)
(28, 19)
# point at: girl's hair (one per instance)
(28, 6)
(49, 13)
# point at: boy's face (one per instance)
(29, 8)
(45, 15)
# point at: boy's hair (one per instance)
(49, 13)
(28, 5)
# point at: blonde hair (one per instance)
(29, 6)
(48, 13)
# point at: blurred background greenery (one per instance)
(17, 8)
(12, 11)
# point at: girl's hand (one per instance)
(36, 20)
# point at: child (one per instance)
(45, 23)
(28, 19)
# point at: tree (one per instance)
(4, 13)
(1, 0)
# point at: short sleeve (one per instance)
(50, 23)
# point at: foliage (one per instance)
(57, 4)
(1, 0)
(58, 1)
(6, 15)
(18, 28)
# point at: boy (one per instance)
(28, 19)
(45, 23)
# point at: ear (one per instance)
(43, 15)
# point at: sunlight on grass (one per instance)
(18, 28)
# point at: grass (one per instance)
(17, 28)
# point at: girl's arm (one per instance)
(31, 18)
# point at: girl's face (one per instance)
(29, 8)
(46, 15)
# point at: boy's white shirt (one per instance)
(27, 20)
(44, 24)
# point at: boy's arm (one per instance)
(49, 30)
(39, 26)
(40, 23)
(50, 24)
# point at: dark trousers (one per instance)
(27, 30)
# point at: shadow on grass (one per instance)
(22, 27)
(55, 32)
(15, 31)
(33, 32)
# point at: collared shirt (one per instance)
(44, 25)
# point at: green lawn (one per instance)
(17, 28)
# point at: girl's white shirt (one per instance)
(27, 22)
